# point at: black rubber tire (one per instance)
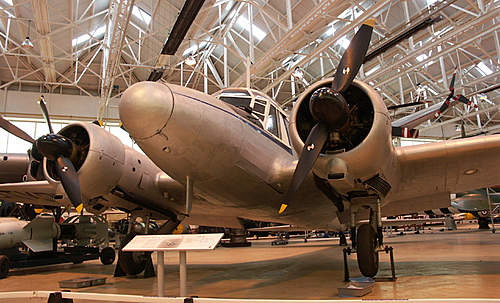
(366, 250)
(132, 263)
(107, 256)
(4, 266)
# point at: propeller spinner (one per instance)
(329, 108)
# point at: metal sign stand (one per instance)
(160, 256)
(180, 243)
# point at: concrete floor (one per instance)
(435, 264)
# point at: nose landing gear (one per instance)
(367, 242)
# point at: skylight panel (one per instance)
(485, 70)
(421, 57)
(431, 2)
(86, 37)
(141, 15)
(344, 42)
(257, 32)
(330, 31)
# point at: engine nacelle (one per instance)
(359, 151)
(98, 157)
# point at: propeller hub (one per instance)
(329, 107)
(52, 146)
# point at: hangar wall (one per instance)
(67, 107)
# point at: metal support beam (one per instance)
(116, 28)
(289, 14)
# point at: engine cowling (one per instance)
(98, 157)
(360, 150)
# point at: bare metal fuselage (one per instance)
(239, 168)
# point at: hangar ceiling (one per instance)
(100, 47)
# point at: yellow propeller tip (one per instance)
(282, 208)
(79, 208)
(370, 22)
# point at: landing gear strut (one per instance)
(367, 239)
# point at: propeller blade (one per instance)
(312, 148)
(443, 107)
(464, 100)
(69, 179)
(452, 83)
(405, 105)
(45, 111)
(16, 131)
(353, 57)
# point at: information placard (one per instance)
(173, 242)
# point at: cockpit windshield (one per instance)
(258, 108)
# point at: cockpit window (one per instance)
(272, 122)
(240, 102)
(257, 108)
(260, 108)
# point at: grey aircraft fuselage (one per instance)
(243, 170)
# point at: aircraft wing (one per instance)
(278, 228)
(428, 173)
(34, 192)
(385, 222)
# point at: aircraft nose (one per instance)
(145, 108)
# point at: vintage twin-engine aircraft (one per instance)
(325, 168)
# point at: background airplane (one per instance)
(405, 126)
(235, 148)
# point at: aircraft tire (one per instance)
(107, 256)
(366, 250)
(4, 266)
(132, 263)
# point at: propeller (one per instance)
(58, 148)
(329, 108)
(16, 131)
(448, 100)
(451, 97)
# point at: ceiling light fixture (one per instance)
(190, 60)
(27, 42)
